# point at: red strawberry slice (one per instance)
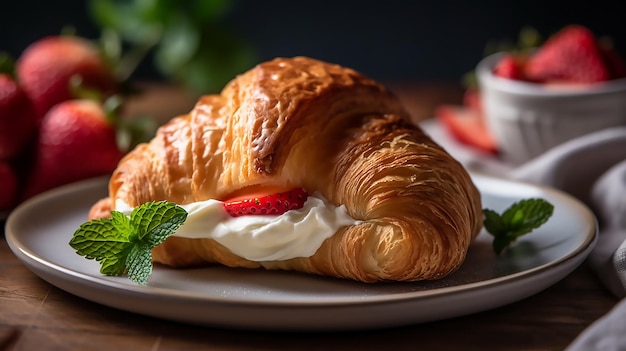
(264, 204)
(571, 55)
(467, 126)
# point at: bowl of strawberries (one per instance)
(571, 85)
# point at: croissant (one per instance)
(301, 122)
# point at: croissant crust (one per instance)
(302, 122)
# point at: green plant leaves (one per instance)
(123, 244)
(188, 40)
(520, 218)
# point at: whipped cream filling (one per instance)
(295, 233)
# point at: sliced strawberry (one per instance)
(467, 126)
(264, 204)
(571, 55)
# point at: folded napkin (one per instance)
(591, 168)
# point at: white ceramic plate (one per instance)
(39, 230)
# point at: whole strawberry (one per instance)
(76, 141)
(571, 55)
(18, 120)
(47, 66)
(8, 186)
(511, 67)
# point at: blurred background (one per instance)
(392, 41)
(171, 51)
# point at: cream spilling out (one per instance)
(295, 233)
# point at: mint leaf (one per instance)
(99, 239)
(139, 263)
(123, 245)
(121, 222)
(493, 223)
(500, 243)
(520, 218)
(113, 265)
(155, 221)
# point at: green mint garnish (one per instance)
(122, 244)
(519, 219)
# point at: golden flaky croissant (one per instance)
(300, 122)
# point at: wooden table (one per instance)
(35, 315)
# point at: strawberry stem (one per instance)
(69, 31)
(130, 132)
(7, 64)
(529, 39)
(80, 91)
(112, 106)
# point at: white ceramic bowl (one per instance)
(528, 119)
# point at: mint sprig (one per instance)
(123, 244)
(520, 218)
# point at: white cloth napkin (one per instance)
(592, 168)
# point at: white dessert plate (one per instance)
(39, 230)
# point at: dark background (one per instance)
(390, 40)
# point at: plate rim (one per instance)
(12, 238)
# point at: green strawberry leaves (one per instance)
(122, 244)
(520, 218)
(7, 64)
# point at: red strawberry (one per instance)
(467, 126)
(46, 66)
(264, 204)
(8, 186)
(18, 121)
(509, 67)
(571, 55)
(76, 141)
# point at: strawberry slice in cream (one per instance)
(295, 233)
